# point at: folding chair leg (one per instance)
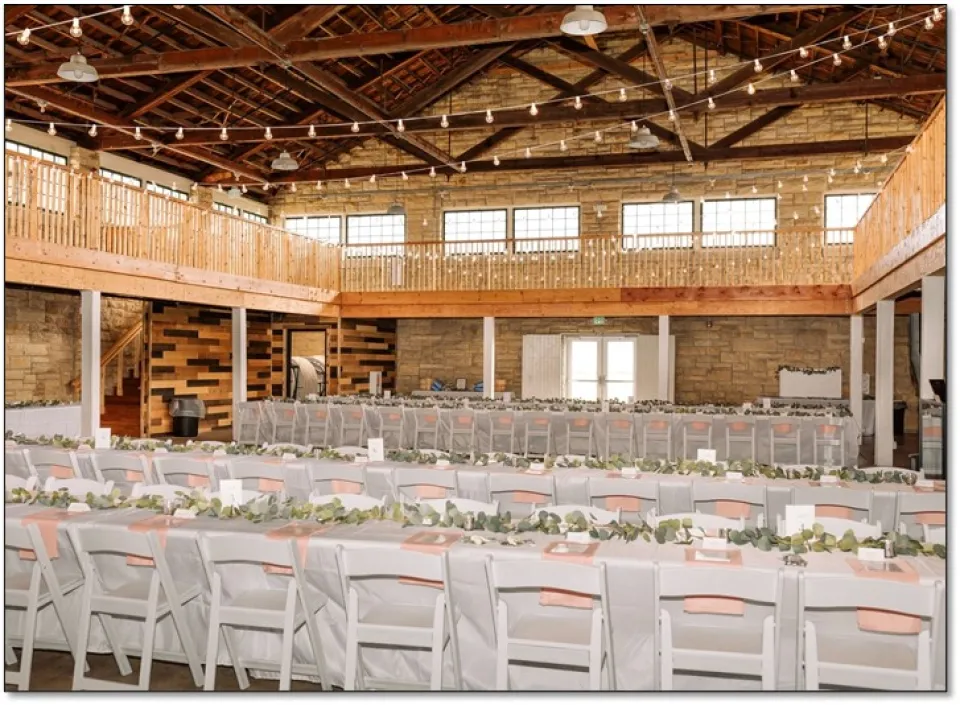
(9, 656)
(286, 650)
(596, 666)
(436, 661)
(352, 656)
(26, 654)
(455, 656)
(186, 640)
(213, 646)
(83, 635)
(313, 634)
(146, 654)
(57, 599)
(234, 654)
(503, 664)
(119, 655)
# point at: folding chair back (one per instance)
(633, 497)
(335, 478)
(657, 436)
(124, 469)
(536, 427)
(249, 417)
(579, 427)
(463, 431)
(284, 421)
(697, 434)
(518, 492)
(49, 462)
(740, 432)
(503, 425)
(78, 486)
(426, 423)
(392, 425)
(784, 440)
(424, 483)
(317, 424)
(839, 502)
(175, 468)
(918, 509)
(352, 421)
(620, 430)
(731, 500)
(258, 475)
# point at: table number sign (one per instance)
(799, 517)
(101, 438)
(766, 402)
(386, 393)
(870, 554)
(231, 492)
(507, 397)
(734, 476)
(375, 450)
(706, 454)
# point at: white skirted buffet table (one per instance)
(60, 420)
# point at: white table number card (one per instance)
(386, 393)
(231, 492)
(507, 397)
(766, 402)
(605, 406)
(101, 438)
(375, 450)
(870, 554)
(708, 455)
(799, 517)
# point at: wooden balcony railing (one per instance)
(909, 198)
(54, 204)
(770, 258)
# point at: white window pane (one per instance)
(641, 220)
(739, 222)
(583, 359)
(540, 229)
(584, 390)
(620, 390)
(619, 359)
(379, 230)
(482, 232)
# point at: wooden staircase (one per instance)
(121, 413)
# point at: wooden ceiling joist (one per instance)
(300, 24)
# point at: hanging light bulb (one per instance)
(220, 188)
(24, 37)
(882, 43)
(832, 172)
(9, 124)
(829, 179)
(243, 188)
(891, 29)
(577, 103)
(52, 130)
(836, 60)
(779, 196)
(672, 115)
(496, 160)
(126, 17)
(598, 137)
(489, 117)
(667, 84)
(710, 103)
(806, 178)
(400, 127)
(623, 95)
(533, 109)
(928, 24)
(726, 194)
(373, 178)
(883, 158)
(804, 53)
(193, 186)
(633, 126)
(75, 31)
(847, 44)
(312, 132)
(751, 89)
(937, 15)
(804, 187)
(433, 172)
(796, 216)
(816, 210)
(179, 134)
(346, 183)
(753, 189)
(527, 153)
(563, 145)
(136, 134)
(223, 134)
(266, 186)
(779, 184)
(757, 66)
(403, 175)
(463, 167)
(268, 134)
(319, 185)
(293, 187)
(42, 104)
(444, 122)
(712, 77)
(93, 130)
(794, 76)
(909, 149)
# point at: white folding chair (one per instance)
(838, 527)
(247, 425)
(579, 427)
(318, 424)
(876, 664)
(335, 478)
(50, 462)
(352, 420)
(282, 417)
(463, 505)
(626, 494)
(426, 422)
(168, 492)
(704, 522)
(285, 610)
(741, 434)
(32, 585)
(657, 429)
(620, 427)
(935, 534)
(123, 469)
(576, 639)
(829, 443)
(15, 464)
(731, 500)
(536, 426)
(78, 486)
(258, 475)
(349, 501)
(148, 598)
(591, 514)
(503, 424)
(784, 436)
(917, 509)
(697, 434)
(403, 626)
(517, 493)
(463, 426)
(393, 422)
(698, 643)
(419, 483)
(839, 502)
(177, 469)
(15, 482)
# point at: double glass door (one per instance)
(601, 368)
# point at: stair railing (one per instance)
(131, 340)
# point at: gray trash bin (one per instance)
(186, 415)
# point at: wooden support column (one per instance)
(932, 333)
(489, 384)
(856, 369)
(663, 358)
(883, 435)
(239, 340)
(89, 362)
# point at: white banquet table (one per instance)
(34, 421)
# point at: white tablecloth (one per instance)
(35, 421)
(630, 578)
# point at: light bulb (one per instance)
(220, 188)
(836, 60)
(667, 84)
(126, 17)
(9, 124)
(804, 187)
(751, 89)
(136, 133)
(806, 179)
(757, 66)
(928, 24)
(623, 95)
(633, 126)
(346, 183)
(319, 185)
(179, 134)
(433, 172)
(779, 196)
(712, 77)
(223, 134)
(403, 175)
(496, 160)
(312, 132)
(400, 127)
(847, 44)
(463, 167)
(937, 16)
(75, 30)
(598, 137)
(193, 187)
(266, 186)
(832, 172)
(42, 104)
(267, 134)
(909, 149)
(794, 76)
(52, 130)
(883, 158)
(24, 37)
(355, 127)
(753, 189)
(528, 153)
(816, 210)
(726, 195)
(779, 184)
(891, 29)
(373, 178)
(489, 117)
(563, 145)
(243, 188)
(796, 216)
(829, 179)
(710, 103)
(672, 115)
(444, 122)
(804, 53)
(293, 187)
(577, 103)
(882, 43)
(533, 109)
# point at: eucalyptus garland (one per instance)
(807, 370)
(36, 403)
(270, 507)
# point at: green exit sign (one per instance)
(599, 320)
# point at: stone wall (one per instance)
(43, 339)
(724, 359)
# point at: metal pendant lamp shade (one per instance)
(644, 139)
(583, 21)
(672, 196)
(396, 208)
(77, 69)
(234, 192)
(284, 162)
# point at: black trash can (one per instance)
(186, 415)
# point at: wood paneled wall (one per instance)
(358, 348)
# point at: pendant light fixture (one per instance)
(284, 162)
(77, 69)
(583, 21)
(673, 195)
(644, 139)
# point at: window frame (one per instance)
(42, 155)
(224, 208)
(254, 217)
(570, 245)
(450, 247)
(827, 240)
(359, 249)
(124, 180)
(678, 234)
(341, 225)
(166, 191)
(704, 233)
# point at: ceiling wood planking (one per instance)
(302, 23)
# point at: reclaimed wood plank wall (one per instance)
(366, 346)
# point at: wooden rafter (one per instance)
(302, 23)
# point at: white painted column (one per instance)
(856, 369)
(239, 341)
(663, 358)
(89, 362)
(883, 438)
(489, 327)
(932, 334)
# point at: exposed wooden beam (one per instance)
(166, 93)
(552, 113)
(754, 126)
(662, 75)
(12, 13)
(545, 77)
(582, 162)
(300, 24)
(536, 26)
